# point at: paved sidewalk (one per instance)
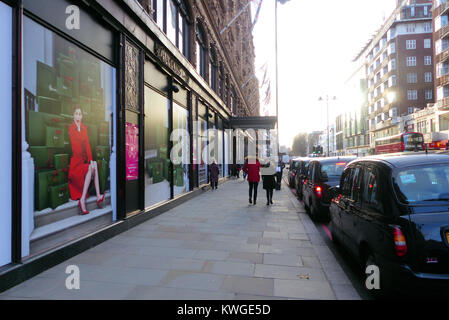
(213, 247)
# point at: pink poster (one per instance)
(132, 151)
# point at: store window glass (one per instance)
(157, 158)
(220, 151)
(181, 170)
(172, 21)
(5, 131)
(69, 98)
(227, 139)
(202, 151)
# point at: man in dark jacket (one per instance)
(213, 175)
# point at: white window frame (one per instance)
(411, 27)
(428, 77)
(427, 43)
(410, 44)
(412, 94)
(412, 77)
(428, 94)
(411, 61)
(427, 60)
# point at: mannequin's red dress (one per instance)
(81, 158)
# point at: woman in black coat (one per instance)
(269, 184)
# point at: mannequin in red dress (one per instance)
(82, 168)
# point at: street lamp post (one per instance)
(327, 111)
(276, 57)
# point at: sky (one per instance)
(316, 42)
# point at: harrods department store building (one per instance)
(91, 91)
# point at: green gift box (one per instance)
(43, 156)
(67, 106)
(103, 153)
(64, 87)
(85, 104)
(61, 161)
(156, 171)
(36, 123)
(58, 195)
(103, 174)
(41, 189)
(67, 67)
(92, 132)
(57, 177)
(166, 169)
(46, 81)
(49, 105)
(55, 137)
(179, 176)
(103, 128)
(103, 139)
(67, 144)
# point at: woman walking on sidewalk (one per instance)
(252, 168)
(269, 184)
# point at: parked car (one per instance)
(393, 212)
(292, 167)
(301, 175)
(322, 174)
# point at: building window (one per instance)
(428, 94)
(428, 77)
(158, 16)
(411, 27)
(411, 44)
(425, 11)
(412, 78)
(213, 69)
(411, 61)
(173, 20)
(200, 51)
(183, 31)
(427, 60)
(427, 43)
(393, 64)
(392, 48)
(427, 27)
(412, 94)
(410, 110)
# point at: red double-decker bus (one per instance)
(406, 141)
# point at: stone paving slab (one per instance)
(213, 247)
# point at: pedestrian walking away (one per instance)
(213, 175)
(269, 184)
(252, 168)
(279, 170)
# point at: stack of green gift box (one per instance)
(71, 82)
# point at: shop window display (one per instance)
(181, 171)
(69, 96)
(157, 158)
(5, 130)
(202, 151)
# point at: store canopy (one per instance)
(253, 123)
